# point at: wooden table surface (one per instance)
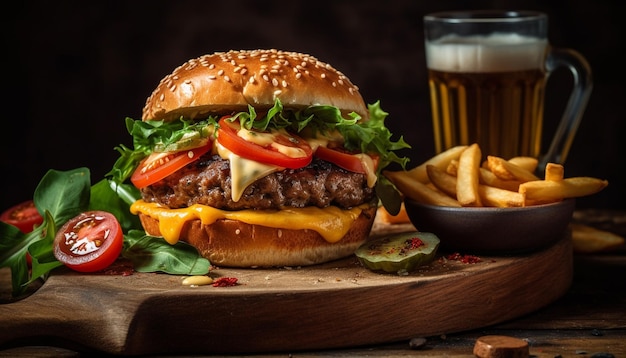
(589, 320)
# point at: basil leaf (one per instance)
(42, 251)
(107, 195)
(13, 245)
(63, 194)
(154, 254)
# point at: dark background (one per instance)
(74, 70)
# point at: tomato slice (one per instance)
(24, 216)
(159, 165)
(89, 242)
(271, 153)
(344, 159)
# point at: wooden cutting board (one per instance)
(338, 304)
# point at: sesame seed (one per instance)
(274, 82)
(266, 78)
(212, 77)
(226, 78)
(220, 72)
(284, 83)
(252, 79)
(323, 75)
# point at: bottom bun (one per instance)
(234, 243)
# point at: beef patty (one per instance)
(207, 181)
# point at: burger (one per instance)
(259, 158)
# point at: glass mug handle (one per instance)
(583, 84)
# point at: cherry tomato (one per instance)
(89, 242)
(343, 159)
(24, 216)
(159, 165)
(227, 136)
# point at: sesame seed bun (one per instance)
(230, 81)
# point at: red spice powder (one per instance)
(466, 259)
(225, 282)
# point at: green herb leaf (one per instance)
(60, 195)
(64, 194)
(107, 195)
(154, 254)
(41, 251)
(149, 134)
(13, 247)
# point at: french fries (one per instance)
(457, 177)
(419, 191)
(549, 190)
(506, 170)
(528, 163)
(440, 160)
(467, 176)
(554, 172)
(587, 239)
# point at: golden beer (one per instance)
(488, 90)
(487, 73)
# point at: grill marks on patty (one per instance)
(207, 181)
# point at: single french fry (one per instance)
(554, 172)
(492, 196)
(587, 239)
(443, 181)
(548, 190)
(467, 176)
(487, 177)
(401, 218)
(528, 163)
(452, 167)
(418, 191)
(508, 171)
(440, 160)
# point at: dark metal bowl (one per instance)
(493, 230)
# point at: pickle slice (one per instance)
(398, 253)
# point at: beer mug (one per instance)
(487, 73)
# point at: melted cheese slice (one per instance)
(244, 172)
(332, 223)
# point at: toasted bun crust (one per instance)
(237, 244)
(230, 81)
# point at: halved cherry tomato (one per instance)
(344, 159)
(268, 154)
(89, 242)
(159, 165)
(24, 216)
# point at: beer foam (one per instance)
(496, 52)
